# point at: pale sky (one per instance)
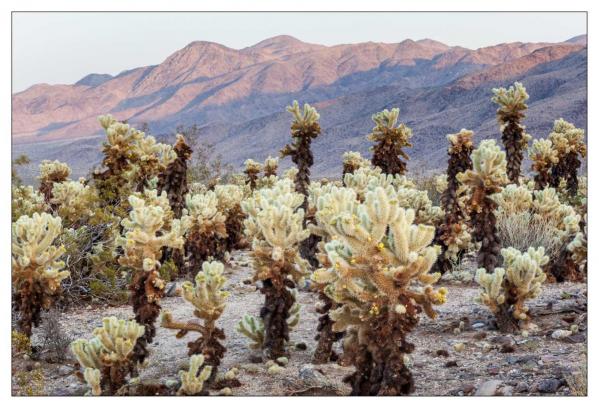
(61, 48)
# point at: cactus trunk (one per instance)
(485, 231)
(145, 294)
(277, 303)
(513, 139)
(326, 337)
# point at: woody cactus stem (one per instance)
(460, 149)
(174, 179)
(304, 128)
(485, 179)
(512, 104)
(390, 140)
(326, 337)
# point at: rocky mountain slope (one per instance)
(237, 97)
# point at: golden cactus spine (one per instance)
(453, 234)
(485, 179)
(37, 271)
(512, 105)
(379, 275)
(390, 139)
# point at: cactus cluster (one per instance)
(568, 141)
(353, 161)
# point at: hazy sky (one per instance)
(63, 47)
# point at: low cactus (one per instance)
(192, 380)
(209, 300)
(506, 289)
(52, 172)
(109, 357)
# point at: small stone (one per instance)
(478, 325)
(301, 346)
(442, 353)
(576, 338)
(170, 383)
(488, 388)
(459, 347)
(225, 391)
(256, 359)
(502, 340)
(480, 336)
(171, 289)
(467, 389)
(506, 348)
(560, 334)
(506, 391)
(37, 364)
(549, 386)
(64, 370)
(251, 368)
(275, 369)
(521, 388)
(283, 361)
(310, 374)
(451, 363)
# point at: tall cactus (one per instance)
(512, 104)
(146, 232)
(174, 178)
(485, 179)
(453, 234)
(390, 140)
(544, 157)
(568, 141)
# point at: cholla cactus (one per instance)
(209, 300)
(252, 170)
(379, 274)
(73, 201)
(512, 104)
(192, 381)
(352, 161)
(390, 140)
(108, 358)
(453, 234)
(144, 236)
(229, 199)
(366, 179)
(36, 269)
(578, 248)
(52, 172)
(274, 224)
(485, 179)
(206, 236)
(271, 165)
(174, 178)
(131, 160)
(26, 201)
(304, 128)
(568, 141)
(542, 207)
(506, 289)
(543, 157)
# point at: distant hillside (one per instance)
(238, 97)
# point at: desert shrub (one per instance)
(30, 383)
(54, 340)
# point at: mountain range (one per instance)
(238, 97)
